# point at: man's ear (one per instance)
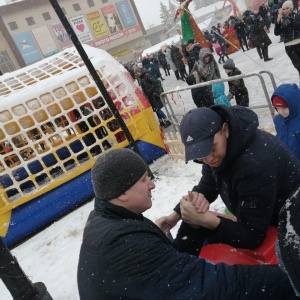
(123, 198)
(225, 129)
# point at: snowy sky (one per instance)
(52, 255)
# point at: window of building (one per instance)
(30, 21)
(90, 3)
(13, 25)
(6, 65)
(76, 7)
(46, 16)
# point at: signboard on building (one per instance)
(27, 47)
(112, 19)
(126, 13)
(45, 41)
(81, 29)
(97, 24)
(121, 52)
(62, 35)
(116, 36)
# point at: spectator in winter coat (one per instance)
(125, 256)
(207, 66)
(163, 62)
(193, 50)
(219, 94)
(260, 38)
(178, 61)
(253, 172)
(285, 99)
(237, 87)
(240, 31)
(288, 24)
(152, 89)
(202, 96)
(152, 68)
(171, 62)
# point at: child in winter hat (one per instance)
(237, 87)
(285, 100)
(229, 65)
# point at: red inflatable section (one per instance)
(264, 254)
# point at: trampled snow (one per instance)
(52, 255)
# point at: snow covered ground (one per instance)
(52, 255)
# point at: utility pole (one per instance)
(16, 281)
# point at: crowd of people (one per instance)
(257, 175)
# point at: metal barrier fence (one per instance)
(173, 117)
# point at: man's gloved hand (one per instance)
(229, 96)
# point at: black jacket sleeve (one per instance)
(256, 197)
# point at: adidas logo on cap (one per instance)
(189, 138)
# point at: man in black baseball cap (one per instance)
(252, 171)
(125, 256)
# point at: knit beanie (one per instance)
(288, 4)
(115, 172)
(229, 64)
(279, 102)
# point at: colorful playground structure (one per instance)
(54, 123)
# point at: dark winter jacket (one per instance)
(254, 181)
(288, 251)
(288, 129)
(125, 256)
(289, 26)
(152, 68)
(193, 56)
(202, 96)
(238, 89)
(152, 89)
(177, 58)
(240, 29)
(258, 35)
(162, 60)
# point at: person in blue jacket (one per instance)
(286, 100)
(126, 256)
(219, 94)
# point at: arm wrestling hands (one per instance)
(194, 211)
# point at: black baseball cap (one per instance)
(198, 128)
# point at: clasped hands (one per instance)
(194, 211)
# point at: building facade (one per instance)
(30, 30)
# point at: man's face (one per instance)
(139, 195)
(218, 153)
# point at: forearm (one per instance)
(237, 234)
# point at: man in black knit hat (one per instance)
(126, 256)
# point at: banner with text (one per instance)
(62, 35)
(126, 13)
(97, 24)
(81, 29)
(116, 36)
